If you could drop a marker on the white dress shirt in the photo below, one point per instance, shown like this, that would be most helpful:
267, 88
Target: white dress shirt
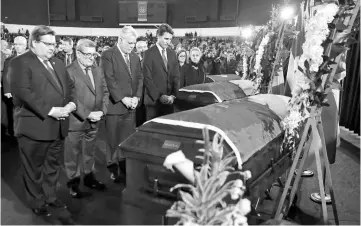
161, 51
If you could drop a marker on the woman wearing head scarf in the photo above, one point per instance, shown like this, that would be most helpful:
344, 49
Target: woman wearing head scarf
194, 72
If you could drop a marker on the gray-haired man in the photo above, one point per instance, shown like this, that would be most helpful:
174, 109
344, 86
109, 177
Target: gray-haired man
92, 96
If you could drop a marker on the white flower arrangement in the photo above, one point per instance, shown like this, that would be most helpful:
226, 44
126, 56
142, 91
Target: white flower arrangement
316, 32
245, 66
257, 66
260, 52
310, 91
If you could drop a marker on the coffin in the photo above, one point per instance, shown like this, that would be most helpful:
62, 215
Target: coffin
251, 130
200, 95
222, 78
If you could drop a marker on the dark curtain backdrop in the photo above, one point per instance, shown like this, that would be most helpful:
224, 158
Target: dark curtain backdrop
350, 96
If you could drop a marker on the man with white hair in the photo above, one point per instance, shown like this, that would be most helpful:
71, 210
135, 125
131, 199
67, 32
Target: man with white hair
20, 44
123, 74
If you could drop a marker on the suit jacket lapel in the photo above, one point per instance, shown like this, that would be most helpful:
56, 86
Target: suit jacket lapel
160, 57
168, 57
47, 73
133, 62
84, 76
121, 59
97, 80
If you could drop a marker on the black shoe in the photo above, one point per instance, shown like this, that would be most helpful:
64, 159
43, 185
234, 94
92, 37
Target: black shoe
41, 211
117, 178
57, 204
91, 182
76, 193
74, 190
114, 173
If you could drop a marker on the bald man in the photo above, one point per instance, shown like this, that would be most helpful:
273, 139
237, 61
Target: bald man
20, 44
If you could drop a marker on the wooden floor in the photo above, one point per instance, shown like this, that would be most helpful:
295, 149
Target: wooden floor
107, 207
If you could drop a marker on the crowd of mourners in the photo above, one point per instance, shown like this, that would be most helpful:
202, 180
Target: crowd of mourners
219, 55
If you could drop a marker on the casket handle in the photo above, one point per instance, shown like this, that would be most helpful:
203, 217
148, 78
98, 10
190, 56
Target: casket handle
155, 186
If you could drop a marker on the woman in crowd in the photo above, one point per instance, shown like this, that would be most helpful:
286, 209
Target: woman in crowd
194, 72
181, 56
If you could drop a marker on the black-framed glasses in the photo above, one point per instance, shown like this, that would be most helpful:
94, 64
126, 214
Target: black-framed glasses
88, 55
48, 44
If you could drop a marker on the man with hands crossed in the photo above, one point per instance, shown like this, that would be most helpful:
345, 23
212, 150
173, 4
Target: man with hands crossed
161, 75
123, 74
92, 96
43, 97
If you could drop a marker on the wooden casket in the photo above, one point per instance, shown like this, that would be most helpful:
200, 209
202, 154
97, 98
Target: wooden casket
251, 130
201, 95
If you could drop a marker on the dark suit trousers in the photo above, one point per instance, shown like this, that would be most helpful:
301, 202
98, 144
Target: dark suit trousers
41, 162
157, 110
119, 128
76, 157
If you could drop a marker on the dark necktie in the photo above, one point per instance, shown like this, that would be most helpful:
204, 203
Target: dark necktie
164, 59
127, 61
52, 72
89, 75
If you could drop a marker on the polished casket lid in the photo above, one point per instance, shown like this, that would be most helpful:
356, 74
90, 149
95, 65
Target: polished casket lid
220, 90
220, 78
246, 126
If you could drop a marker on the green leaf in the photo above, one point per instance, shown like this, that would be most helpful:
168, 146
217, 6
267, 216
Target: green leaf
351, 41
341, 36
331, 26
337, 50
336, 85
189, 200
340, 27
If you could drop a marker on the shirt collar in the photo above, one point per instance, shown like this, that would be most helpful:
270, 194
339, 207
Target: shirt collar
160, 48
82, 66
124, 55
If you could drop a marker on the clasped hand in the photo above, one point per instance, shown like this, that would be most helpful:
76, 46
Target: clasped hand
60, 113
165, 99
95, 116
130, 102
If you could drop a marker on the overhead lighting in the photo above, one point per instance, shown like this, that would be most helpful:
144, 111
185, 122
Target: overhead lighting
287, 13
246, 32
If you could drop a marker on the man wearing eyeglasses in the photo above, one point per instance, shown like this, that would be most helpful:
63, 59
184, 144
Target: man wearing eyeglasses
123, 74
92, 96
43, 97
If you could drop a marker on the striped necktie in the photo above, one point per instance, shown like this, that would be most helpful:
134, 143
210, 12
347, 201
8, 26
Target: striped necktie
164, 59
127, 61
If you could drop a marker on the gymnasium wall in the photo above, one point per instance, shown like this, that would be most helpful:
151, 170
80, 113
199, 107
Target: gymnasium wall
105, 13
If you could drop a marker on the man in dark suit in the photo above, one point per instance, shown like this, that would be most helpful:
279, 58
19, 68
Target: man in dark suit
161, 75
20, 48
43, 96
92, 96
67, 55
123, 74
